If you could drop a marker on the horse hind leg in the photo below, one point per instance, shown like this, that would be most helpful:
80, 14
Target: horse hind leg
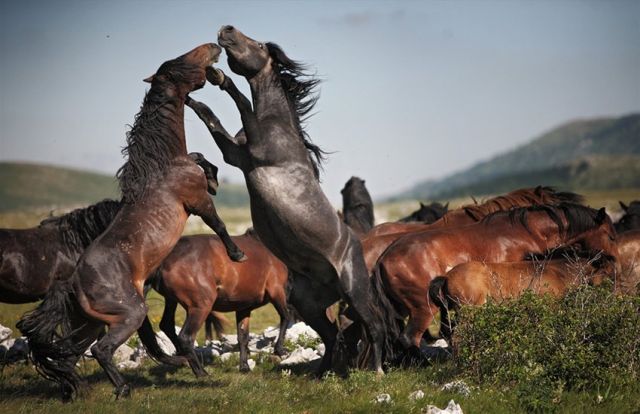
242, 324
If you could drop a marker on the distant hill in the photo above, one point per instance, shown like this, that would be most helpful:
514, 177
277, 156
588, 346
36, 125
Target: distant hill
590, 154
27, 186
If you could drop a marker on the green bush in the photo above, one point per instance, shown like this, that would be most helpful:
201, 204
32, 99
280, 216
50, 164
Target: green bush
542, 346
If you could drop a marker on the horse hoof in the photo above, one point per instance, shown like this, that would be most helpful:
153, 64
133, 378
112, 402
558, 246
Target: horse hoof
215, 76
238, 256
123, 392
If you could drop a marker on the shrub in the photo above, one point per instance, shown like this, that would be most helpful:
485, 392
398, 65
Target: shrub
587, 340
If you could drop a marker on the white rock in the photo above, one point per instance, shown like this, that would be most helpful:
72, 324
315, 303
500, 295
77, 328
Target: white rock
5, 333
320, 349
416, 395
383, 399
227, 355
131, 364
230, 339
458, 386
251, 363
14, 349
452, 408
123, 353
440, 343
271, 332
298, 329
300, 355
165, 343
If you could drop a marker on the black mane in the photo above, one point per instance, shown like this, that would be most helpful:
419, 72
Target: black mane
299, 87
150, 148
579, 218
82, 226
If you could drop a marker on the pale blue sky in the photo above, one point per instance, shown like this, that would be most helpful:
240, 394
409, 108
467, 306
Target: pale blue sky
411, 90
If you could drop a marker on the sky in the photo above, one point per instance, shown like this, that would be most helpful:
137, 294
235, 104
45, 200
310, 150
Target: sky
411, 90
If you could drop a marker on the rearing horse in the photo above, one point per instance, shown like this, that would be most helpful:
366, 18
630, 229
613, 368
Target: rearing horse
161, 185
290, 213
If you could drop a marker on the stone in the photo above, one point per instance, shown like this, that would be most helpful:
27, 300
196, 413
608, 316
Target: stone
251, 363
416, 395
452, 408
298, 329
131, 364
271, 333
165, 343
300, 355
14, 349
5, 333
457, 386
382, 399
123, 353
227, 355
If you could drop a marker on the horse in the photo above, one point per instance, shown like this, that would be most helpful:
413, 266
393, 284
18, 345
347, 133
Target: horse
473, 283
427, 214
357, 206
380, 237
160, 185
629, 256
32, 259
199, 276
473, 213
290, 212
631, 218
409, 265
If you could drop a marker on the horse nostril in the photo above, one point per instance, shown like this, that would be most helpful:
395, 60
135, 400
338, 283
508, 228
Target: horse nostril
228, 28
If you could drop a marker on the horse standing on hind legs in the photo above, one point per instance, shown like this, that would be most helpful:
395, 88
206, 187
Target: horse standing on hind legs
161, 185
290, 213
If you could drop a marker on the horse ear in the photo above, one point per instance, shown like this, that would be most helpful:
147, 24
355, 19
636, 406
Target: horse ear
601, 216
149, 79
446, 206
624, 206
422, 205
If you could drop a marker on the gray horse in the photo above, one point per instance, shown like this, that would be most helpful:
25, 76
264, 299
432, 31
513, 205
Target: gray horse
291, 214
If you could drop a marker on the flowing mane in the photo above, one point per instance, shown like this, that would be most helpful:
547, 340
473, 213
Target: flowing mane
521, 197
82, 226
150, 148
578, 218
299, 87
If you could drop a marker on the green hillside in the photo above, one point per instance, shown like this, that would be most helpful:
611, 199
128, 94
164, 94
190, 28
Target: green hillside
591, 154
29, 186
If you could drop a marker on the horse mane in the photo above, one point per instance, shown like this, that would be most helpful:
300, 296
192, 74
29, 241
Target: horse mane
521, 198
150, 148
579, 218
299, 87
82, 226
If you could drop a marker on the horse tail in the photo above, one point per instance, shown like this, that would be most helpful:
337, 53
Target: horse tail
150, 342
218, 322
439, 293
389, 316
48, 329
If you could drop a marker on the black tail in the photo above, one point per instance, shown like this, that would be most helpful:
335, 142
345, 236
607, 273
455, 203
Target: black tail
48, 329
150, 342
389, 316
218, 321
439, 294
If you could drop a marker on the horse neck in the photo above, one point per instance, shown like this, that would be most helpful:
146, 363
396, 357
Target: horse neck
545, 230
269, 98
172, 121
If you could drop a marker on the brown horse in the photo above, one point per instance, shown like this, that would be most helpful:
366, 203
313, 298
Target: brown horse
629, 257
199, 276
380, 237
473, 283
32, 259
161, 185
409, 264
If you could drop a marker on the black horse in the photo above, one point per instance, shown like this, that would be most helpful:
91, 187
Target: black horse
290, 213
32, 259
427, 214
161, 185
357, 206
631, 218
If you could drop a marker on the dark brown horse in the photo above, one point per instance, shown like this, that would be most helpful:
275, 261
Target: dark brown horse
32, 259
199, 276
427, 213
631, 218
473, 283
161, 185
409, 264
291, 214
357, 206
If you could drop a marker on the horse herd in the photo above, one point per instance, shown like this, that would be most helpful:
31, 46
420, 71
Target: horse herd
93, 266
